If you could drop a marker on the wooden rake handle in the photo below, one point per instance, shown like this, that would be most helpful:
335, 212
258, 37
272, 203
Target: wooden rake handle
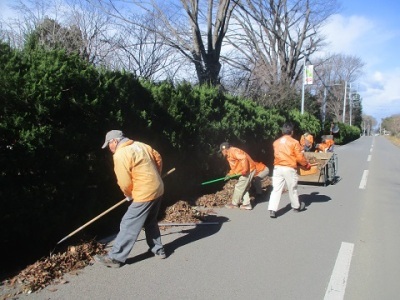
103, 213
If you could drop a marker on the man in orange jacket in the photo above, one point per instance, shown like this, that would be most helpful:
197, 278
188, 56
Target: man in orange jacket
287, 155
326, 145
137, 167
306, 142
240, 163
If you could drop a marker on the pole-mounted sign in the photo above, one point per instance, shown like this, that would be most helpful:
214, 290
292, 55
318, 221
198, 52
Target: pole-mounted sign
309, 74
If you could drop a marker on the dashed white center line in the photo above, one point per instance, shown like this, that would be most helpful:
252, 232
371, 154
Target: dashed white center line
369, 158
338, 282
363, 182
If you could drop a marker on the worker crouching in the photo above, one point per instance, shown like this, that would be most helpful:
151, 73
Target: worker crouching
326, 145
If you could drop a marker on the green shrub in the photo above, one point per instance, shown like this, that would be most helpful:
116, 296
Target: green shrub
346, 134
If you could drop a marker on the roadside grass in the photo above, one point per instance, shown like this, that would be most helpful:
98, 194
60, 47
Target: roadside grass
394, 140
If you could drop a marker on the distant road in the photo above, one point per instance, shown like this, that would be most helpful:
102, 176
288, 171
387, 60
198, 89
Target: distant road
346, 245
375, 268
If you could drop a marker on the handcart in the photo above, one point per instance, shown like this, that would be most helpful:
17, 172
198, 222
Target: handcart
324, 167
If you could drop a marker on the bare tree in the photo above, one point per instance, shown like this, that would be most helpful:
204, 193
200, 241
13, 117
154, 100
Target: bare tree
368, 124
196, 29
72, 24
271, 38
99, 37
119, 46
97, 31
335, 74
145, 53
29, 14
391, 124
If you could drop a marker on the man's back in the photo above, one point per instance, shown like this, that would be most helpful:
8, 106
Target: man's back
287, 152
137, 172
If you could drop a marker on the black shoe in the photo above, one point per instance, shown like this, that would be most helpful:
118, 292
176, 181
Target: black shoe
301, 208
272, 214
160, 253
107, 261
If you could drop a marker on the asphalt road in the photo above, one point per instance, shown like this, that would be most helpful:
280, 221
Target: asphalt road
345, 245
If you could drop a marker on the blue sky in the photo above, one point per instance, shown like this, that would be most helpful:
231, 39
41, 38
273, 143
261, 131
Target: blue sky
371, 30
368, 29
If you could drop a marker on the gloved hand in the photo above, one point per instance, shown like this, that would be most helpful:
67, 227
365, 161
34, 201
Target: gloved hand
308, 166
127, 198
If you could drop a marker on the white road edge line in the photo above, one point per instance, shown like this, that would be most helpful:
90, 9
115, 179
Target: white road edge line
337, 284
363, 182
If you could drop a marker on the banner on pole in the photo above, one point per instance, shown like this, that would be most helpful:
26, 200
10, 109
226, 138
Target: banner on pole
309, 74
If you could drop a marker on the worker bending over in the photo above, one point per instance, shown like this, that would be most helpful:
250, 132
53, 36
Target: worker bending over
326, 144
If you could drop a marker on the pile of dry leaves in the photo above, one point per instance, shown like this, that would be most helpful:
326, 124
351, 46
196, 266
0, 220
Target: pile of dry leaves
51, 269
197, 210
184, 212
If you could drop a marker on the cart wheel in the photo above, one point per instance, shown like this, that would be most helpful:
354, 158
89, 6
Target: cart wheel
331, 172
326, 175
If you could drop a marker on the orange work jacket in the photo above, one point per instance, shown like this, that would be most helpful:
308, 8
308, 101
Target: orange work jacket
287, 152
138, 168
239, 161
307, 141
259, 167
324, 146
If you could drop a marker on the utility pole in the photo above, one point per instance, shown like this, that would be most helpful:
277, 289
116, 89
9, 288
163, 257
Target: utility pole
350, 103
344, 101
303, 84
324, 108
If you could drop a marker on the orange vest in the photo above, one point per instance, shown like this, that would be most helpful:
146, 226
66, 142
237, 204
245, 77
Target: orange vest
239, 161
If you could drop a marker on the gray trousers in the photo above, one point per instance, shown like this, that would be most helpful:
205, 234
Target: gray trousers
139, 215
241, 193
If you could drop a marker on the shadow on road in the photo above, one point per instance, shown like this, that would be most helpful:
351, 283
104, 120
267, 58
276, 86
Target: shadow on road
192, 235
196, 233
313, 197
264, 197
137, 258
